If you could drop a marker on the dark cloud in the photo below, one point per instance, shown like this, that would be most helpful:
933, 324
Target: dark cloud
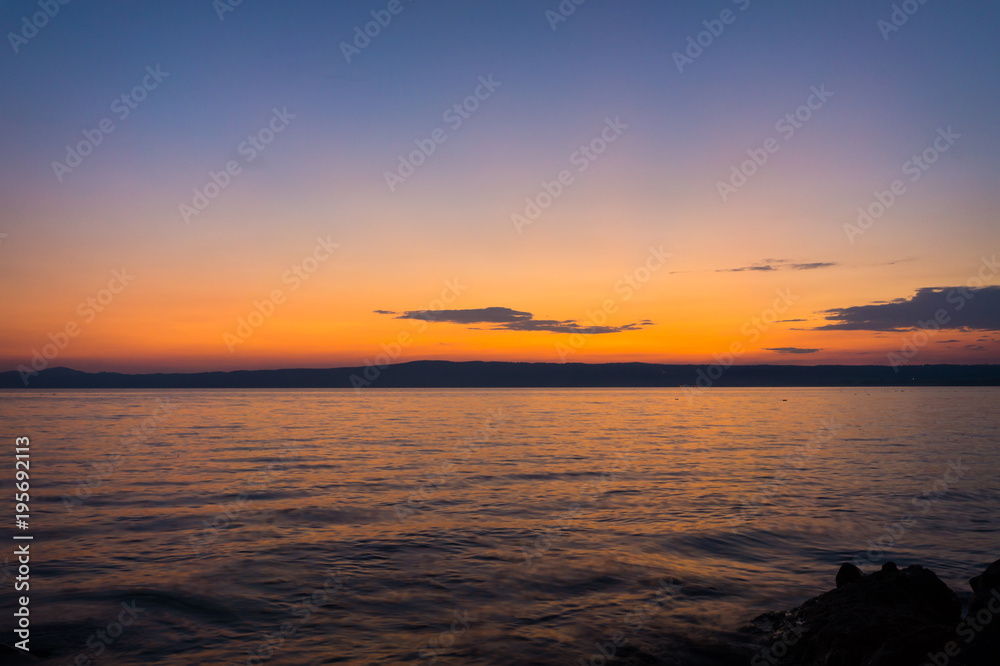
788, 321
965, 309
763, 267
777, 265
812, 266
514, 320
568, 326
474, 316
945, 342
792, 350
383, 312
975, 347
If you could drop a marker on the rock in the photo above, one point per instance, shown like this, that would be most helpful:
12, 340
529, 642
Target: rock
979, 634
984, 586
890, 617
848, 574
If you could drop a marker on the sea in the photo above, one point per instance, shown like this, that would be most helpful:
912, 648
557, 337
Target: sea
455, 526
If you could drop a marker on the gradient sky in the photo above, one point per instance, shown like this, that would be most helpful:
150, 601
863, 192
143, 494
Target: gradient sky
444, 239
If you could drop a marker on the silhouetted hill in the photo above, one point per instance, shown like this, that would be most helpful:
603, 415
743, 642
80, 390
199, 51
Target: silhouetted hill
443, 374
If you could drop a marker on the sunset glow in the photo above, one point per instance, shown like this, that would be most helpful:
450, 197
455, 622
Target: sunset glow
538, 179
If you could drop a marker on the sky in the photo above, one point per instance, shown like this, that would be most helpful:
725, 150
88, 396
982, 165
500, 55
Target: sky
205, 185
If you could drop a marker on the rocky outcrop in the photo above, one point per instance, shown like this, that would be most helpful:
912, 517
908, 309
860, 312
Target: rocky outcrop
978, 636
892, 617
848, 574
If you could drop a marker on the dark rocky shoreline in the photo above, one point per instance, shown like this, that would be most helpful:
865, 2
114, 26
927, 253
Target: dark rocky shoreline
891, 617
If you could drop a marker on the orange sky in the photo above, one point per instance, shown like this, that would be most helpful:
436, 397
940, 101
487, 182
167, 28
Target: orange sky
660, 143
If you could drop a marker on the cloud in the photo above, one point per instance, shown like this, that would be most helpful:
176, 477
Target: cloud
762, 267
788, 321
778, 265
792, 350
812, 266
568, 326
383, 312
963, 308
945, 342
513, 320
473, 316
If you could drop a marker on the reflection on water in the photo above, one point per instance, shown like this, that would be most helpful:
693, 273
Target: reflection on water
480, 526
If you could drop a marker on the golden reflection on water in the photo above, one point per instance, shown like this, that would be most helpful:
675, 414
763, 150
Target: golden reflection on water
550, 516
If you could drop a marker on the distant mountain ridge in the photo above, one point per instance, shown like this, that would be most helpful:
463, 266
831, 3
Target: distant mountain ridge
495, 374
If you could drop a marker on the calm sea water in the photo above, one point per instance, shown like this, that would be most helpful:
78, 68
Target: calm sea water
478, 526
